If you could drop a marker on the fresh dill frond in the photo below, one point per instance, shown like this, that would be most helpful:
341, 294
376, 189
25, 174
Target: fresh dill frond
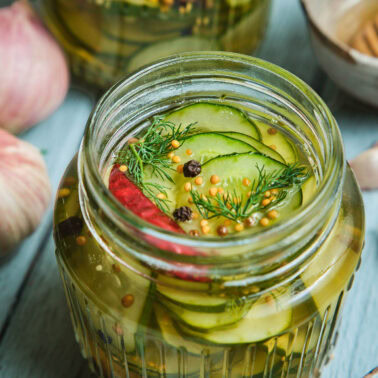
234, 207
151, 150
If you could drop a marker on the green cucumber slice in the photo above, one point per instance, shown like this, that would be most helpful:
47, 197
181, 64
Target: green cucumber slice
266, 318
214, 117
163, 49
172, 336
281, 142
260, 147
207, 320
308, 189
193, 300
205, 146
233, 168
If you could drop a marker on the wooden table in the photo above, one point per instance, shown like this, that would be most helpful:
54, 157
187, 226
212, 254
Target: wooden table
36, 337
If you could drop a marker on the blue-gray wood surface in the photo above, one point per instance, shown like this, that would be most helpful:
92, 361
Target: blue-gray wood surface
36, 338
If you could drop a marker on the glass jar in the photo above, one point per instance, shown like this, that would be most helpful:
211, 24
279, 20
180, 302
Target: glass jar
116, 267
105, 39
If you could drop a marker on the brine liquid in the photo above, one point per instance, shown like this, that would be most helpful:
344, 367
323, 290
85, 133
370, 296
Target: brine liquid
138, 335
107, 39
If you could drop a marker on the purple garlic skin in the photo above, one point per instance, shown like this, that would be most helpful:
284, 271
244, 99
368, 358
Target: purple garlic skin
25, 190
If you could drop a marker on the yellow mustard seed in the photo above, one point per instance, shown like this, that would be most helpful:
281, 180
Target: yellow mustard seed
220, 190
190, 199
246, 181
176, 159
272, 131
272, 214
189, 7
205, 229
133, 140
127, 300
213, 191
69, 181
116, 268
182, 10
171, 155
195, 215
227, 222
222, 230
123, 168
198, 180
204, 222
273, 146
267, 194
239, 227
161, 196
175, 143
214, 179
274, 191
265, 202
81, 240
64, 192
118, 329
180, 168
189, 151
194, 233
250, 222
264, 221
188, 187
206, 21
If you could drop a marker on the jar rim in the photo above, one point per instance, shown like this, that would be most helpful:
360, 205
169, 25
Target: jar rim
330, 185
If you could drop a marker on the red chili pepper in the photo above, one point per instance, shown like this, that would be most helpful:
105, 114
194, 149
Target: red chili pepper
132, 198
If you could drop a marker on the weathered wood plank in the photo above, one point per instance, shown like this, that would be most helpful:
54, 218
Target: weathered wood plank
39, 341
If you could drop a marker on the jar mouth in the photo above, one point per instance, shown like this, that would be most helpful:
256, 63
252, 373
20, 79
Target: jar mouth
331, 164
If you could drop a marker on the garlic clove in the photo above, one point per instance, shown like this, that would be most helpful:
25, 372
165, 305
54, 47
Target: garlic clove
34, 74
25, 190
365, 167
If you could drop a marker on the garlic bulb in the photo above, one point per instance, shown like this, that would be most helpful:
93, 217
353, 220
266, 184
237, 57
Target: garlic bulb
25, 190
34, 76
365, 167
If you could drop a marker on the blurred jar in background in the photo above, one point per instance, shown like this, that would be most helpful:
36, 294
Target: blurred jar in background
106, 39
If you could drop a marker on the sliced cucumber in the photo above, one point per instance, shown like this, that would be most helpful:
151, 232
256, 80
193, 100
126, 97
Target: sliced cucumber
278, 141
196, 301
173, 337
205, 146
233, 168
260, 147
267, 318
214, 117
207, 320
169, 47
308, 189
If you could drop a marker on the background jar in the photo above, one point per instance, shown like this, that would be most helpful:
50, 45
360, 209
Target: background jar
307, 261
107, 39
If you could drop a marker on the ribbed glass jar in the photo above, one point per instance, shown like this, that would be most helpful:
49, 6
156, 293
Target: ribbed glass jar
296, 272
107, 39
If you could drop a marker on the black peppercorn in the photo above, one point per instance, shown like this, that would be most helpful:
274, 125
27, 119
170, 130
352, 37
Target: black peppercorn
192, 168
72, 226
183, 214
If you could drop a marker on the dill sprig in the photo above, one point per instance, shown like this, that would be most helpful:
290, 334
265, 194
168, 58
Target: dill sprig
151, 150
234, 207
